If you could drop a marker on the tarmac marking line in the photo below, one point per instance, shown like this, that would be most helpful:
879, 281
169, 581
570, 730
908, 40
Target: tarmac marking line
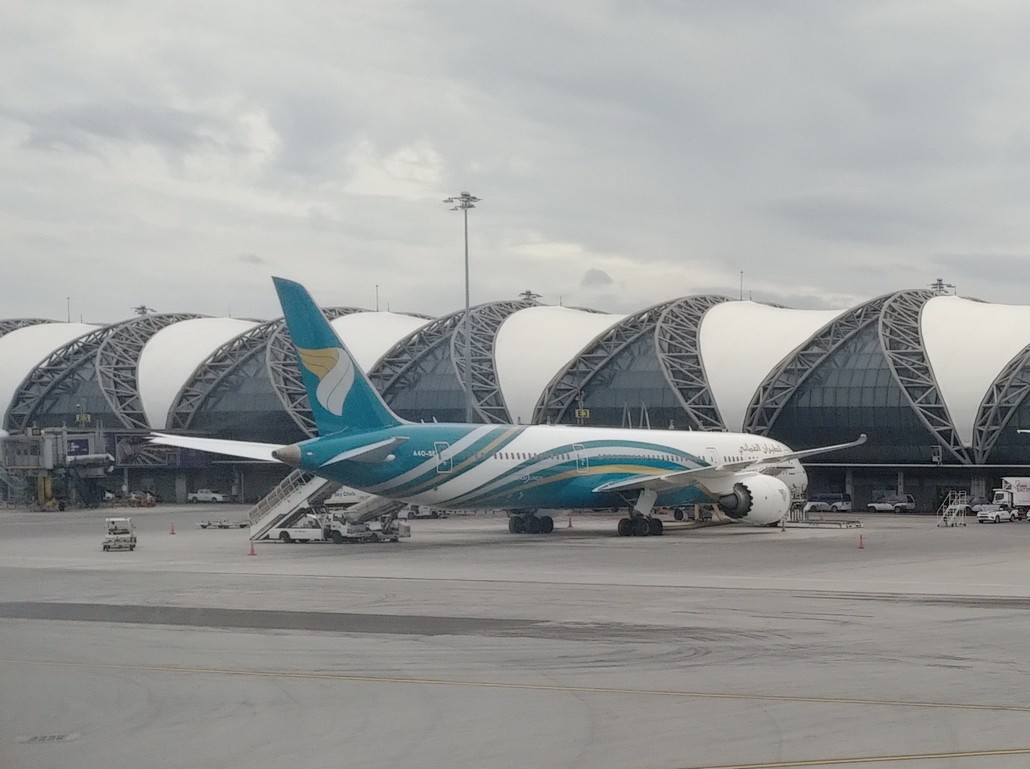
525, 687
857, 760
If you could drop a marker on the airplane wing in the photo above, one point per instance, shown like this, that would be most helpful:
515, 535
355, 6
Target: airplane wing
245, 449
699, 475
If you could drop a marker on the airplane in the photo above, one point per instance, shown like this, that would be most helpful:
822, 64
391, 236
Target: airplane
528, 470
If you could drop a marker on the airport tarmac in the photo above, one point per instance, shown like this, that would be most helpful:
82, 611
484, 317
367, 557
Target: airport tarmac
466, 646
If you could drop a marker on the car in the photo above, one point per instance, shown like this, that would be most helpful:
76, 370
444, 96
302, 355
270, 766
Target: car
829, 503
893, 503
996, 515
414, 511
206, 495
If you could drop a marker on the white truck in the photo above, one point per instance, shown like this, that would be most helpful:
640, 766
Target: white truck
121, 534
322, 527
1014, 496
206, 495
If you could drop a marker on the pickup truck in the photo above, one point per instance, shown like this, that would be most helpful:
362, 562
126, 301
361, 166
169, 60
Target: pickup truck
206, 495
896, 503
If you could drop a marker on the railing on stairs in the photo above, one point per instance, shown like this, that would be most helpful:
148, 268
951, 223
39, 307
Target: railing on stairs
952, 511
292, 493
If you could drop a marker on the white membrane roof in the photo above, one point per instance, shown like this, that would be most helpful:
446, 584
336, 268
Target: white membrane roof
534, 344
741, 342
170, 357
370, 335
23, 349
968, 344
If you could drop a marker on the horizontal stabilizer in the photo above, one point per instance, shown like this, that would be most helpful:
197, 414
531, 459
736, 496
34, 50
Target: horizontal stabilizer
245, 449
373, 452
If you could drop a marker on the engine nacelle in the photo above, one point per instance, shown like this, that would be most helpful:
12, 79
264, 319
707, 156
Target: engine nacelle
757, 499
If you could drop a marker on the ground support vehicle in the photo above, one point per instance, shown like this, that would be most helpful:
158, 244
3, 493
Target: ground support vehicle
206, 495
322, 527
829, 503
995, 515
121, 534
893, 503
1014, 496
225, 523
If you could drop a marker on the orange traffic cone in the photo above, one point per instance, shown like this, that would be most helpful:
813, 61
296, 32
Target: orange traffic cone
172, 530
861, 542
251, 548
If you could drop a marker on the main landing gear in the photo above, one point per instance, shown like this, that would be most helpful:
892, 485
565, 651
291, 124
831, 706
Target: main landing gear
530, 524
638, 525
640, 522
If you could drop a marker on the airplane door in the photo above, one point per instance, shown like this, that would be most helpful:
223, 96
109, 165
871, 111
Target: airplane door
443, 459
582, 460
712, 456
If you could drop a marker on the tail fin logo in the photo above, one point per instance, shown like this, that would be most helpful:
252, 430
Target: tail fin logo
335, 373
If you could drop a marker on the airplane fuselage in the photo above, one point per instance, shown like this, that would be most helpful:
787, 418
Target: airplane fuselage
460, 466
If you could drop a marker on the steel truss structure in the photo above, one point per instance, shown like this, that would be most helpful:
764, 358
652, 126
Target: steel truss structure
565, 390
240, 358
782, 382
677, 344
1008, 392
484, 321
117, 363
902, 341
62, 372
7, 326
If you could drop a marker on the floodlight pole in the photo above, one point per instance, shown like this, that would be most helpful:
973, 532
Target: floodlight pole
463, 203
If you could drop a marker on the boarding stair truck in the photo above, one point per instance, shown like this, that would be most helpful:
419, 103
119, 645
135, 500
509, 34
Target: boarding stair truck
121, 534
1014, 495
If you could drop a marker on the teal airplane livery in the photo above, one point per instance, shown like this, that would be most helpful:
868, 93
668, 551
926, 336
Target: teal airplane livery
527, 470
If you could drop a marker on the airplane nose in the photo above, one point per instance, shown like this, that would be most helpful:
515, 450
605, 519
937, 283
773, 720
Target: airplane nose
288, 455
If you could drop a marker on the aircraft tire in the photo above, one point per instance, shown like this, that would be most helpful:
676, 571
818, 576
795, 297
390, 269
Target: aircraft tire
513, 524
533, 525
657, 527
641, 527
546, 524
625, 527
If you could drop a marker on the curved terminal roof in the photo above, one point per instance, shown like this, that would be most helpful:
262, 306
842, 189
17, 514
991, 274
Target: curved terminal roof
968, 344
370, 335
25, 348
172, 355
741, 342
534, 344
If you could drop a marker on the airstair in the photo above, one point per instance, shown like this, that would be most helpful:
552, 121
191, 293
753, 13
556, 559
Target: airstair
952, 511
295, 496
300, 493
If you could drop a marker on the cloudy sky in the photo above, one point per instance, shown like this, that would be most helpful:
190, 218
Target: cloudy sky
178, 154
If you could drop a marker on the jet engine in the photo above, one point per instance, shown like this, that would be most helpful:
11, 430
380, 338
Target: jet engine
756, 499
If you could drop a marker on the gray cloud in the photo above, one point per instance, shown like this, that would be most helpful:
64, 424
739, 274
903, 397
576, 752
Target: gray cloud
831, 151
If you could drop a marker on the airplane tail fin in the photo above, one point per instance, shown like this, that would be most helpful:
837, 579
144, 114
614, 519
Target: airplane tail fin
340, 394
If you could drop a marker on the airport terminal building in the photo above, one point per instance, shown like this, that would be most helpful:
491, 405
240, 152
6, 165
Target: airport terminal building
938, 383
